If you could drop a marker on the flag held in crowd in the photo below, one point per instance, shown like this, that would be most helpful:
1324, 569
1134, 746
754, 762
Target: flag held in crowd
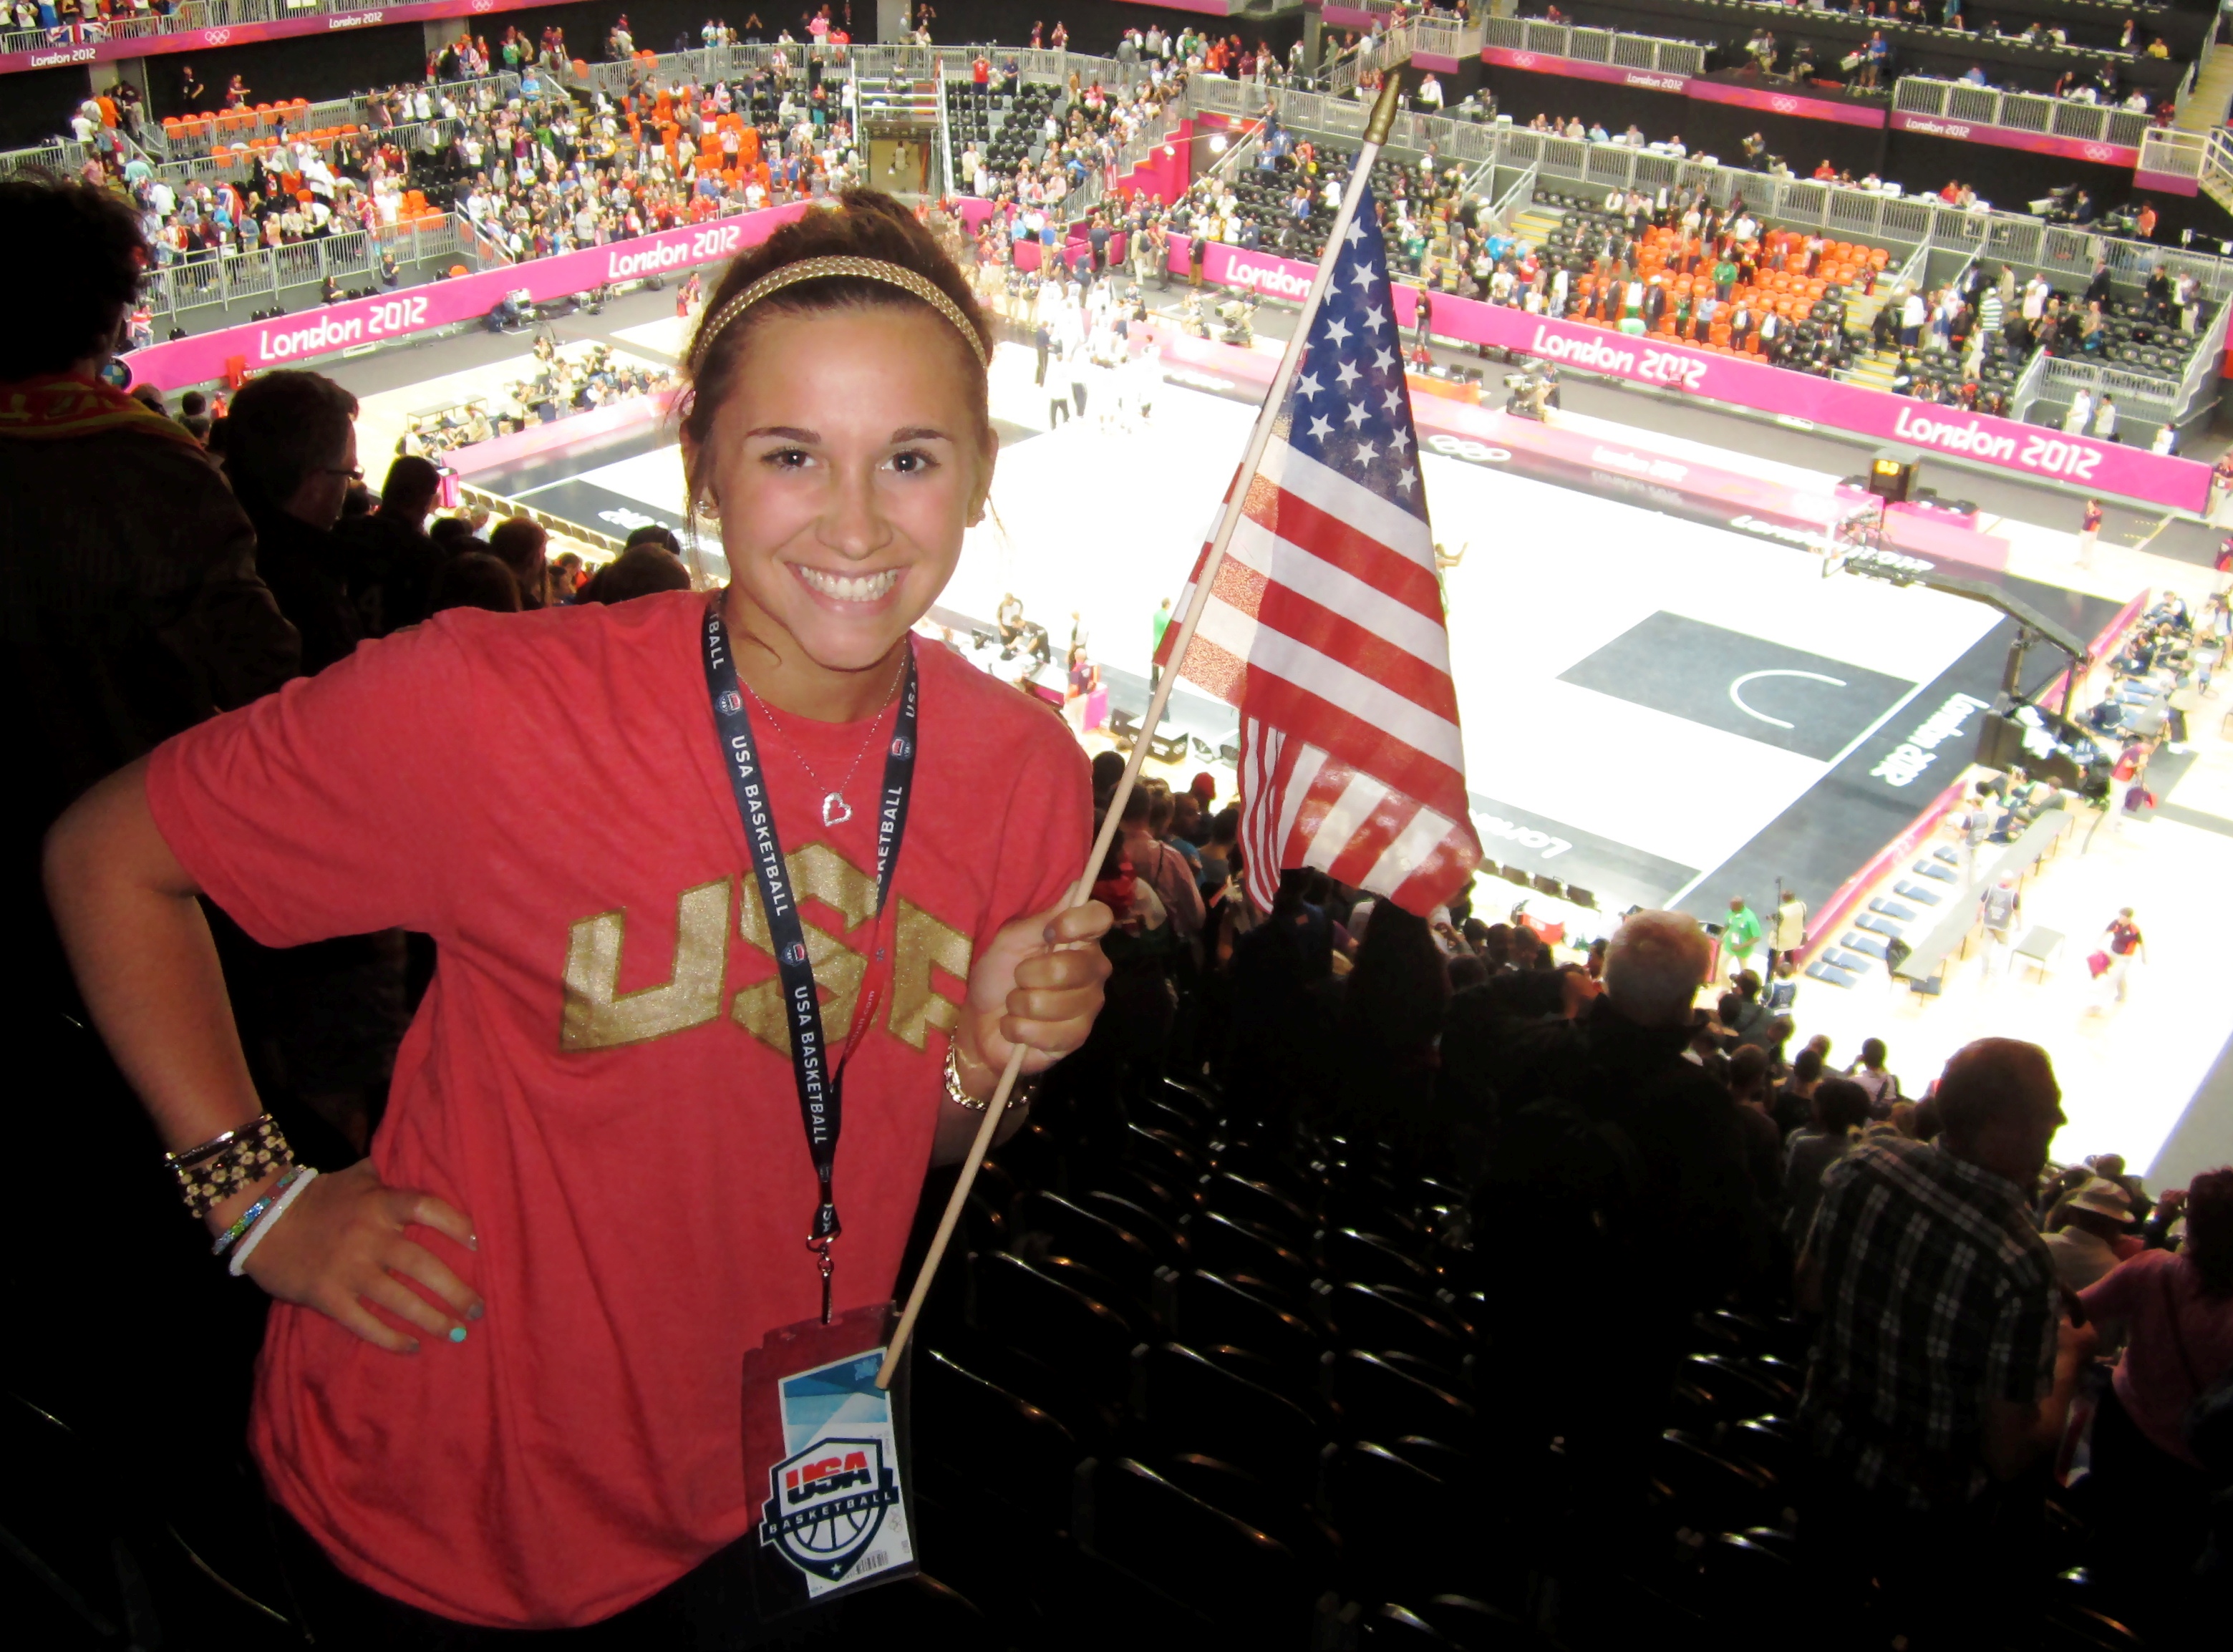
1324, 627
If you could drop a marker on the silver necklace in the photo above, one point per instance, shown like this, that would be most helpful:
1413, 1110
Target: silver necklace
836, 811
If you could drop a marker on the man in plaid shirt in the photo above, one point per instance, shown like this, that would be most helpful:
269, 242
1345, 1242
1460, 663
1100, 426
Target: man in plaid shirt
1942, 1368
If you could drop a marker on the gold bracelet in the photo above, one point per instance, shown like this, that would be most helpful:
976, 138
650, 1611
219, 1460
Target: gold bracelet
1019, 1097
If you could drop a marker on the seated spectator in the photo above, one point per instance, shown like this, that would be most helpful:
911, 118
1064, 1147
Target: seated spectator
1942, 1369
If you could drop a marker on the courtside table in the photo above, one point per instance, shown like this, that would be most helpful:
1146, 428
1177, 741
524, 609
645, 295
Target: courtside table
2039, 948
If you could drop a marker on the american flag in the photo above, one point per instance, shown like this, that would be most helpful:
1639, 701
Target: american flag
1324, 626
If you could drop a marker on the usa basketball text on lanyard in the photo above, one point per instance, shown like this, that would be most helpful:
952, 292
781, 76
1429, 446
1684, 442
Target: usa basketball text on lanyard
821, 1089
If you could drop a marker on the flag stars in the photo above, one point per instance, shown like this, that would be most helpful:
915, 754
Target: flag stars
1348, 374
1401, 440
1337, 332
1375, 319
1407, 477
1356, 414
1356, 232
1382, 359
1321, 427
1393, 401
1360, 274
1308, 384
1365, 454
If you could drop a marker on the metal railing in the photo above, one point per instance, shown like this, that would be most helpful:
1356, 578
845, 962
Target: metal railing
63, 157
2179, 155
187, 17
1912, 228
2029, 384
2207, 361
2029, 112
1892, 219
1443, 36
204, 279
1514, 201
1595, 45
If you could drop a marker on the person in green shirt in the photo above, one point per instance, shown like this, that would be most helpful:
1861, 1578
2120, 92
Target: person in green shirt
1740, 935
1725, 278
1163, 623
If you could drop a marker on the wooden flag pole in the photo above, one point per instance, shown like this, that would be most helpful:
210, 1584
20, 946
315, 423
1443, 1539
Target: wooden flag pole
1376, 134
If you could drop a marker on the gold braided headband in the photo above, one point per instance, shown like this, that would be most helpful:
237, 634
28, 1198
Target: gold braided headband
819, 269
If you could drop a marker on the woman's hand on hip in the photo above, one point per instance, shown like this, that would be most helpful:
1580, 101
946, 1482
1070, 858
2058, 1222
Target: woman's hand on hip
1038, 985
342, 1245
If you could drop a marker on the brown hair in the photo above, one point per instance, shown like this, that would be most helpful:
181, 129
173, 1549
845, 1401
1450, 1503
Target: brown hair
866, 224
2210, 1228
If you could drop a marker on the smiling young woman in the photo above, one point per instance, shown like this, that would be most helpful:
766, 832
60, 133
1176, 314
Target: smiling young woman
499, 1388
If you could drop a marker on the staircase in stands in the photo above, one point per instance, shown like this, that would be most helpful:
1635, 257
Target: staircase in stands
2204, 108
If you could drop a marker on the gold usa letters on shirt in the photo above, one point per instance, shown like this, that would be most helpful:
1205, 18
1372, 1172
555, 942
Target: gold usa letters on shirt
598, 1015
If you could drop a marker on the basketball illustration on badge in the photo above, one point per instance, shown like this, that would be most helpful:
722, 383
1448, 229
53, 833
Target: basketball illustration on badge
826, 1504
731, 702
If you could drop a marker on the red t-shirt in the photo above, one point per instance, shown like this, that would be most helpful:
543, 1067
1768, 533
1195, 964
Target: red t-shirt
600, 1075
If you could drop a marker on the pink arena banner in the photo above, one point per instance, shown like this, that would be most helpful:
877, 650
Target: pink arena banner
611, 419
241, 34
1763, 98
1579, 69
2166, 183
1355, 17
2029, 450
1768, 100
288, 341
2037, 143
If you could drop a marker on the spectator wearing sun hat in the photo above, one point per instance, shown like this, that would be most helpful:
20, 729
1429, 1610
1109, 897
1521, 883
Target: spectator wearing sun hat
2095, 1216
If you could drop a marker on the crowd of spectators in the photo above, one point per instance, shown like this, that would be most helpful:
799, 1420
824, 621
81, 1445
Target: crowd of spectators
568, 380
1664, 1158
1873, 64
538, 172
1079, 136
1645, 1158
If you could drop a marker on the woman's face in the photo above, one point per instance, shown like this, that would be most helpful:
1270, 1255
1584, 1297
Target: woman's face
845, 463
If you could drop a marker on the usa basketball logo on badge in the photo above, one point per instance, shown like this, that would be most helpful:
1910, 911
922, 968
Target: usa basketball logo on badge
731, 702
826, 1507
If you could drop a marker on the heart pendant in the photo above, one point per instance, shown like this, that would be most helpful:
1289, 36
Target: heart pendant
836, 811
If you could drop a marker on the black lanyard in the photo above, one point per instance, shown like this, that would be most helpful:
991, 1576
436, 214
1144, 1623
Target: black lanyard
821, 1090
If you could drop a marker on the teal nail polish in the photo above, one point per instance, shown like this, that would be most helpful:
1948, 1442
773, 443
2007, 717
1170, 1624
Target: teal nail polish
456, 1333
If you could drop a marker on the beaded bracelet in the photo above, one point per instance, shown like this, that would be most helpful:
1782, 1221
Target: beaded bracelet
247, 1218
212, 1173
247, 1246
1020, 1096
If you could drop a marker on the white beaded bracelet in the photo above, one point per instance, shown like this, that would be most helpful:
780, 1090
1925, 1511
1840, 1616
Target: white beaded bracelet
254, 1236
